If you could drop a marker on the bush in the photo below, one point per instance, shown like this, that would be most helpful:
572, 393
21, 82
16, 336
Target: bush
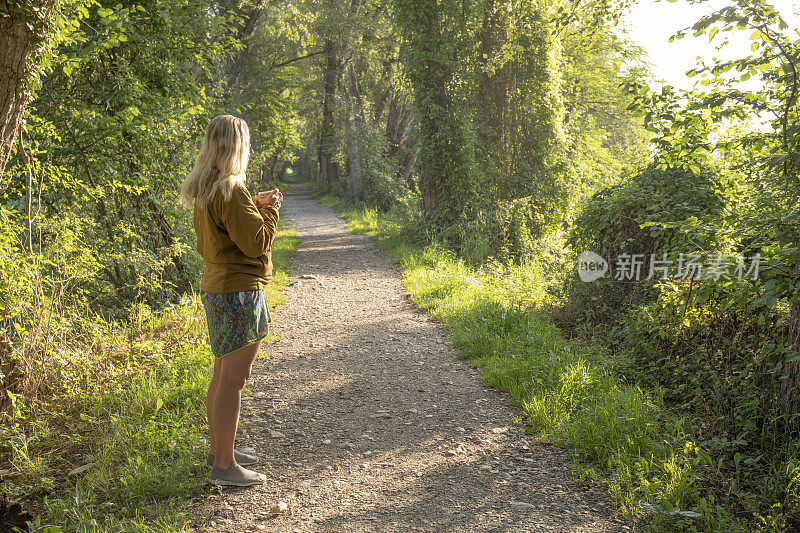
653, 212
644, 214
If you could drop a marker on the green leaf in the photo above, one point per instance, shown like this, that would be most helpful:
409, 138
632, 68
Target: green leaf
712, 32
159, 404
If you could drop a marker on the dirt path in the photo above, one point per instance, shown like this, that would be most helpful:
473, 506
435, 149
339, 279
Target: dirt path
368, 421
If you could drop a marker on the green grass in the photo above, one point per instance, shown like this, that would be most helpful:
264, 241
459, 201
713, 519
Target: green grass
131, 405
620, 436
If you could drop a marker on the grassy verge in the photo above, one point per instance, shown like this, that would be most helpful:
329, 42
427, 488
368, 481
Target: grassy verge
569, 392
128, 407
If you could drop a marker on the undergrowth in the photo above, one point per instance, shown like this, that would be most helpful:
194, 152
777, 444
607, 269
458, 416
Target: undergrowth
113, 439
570, 390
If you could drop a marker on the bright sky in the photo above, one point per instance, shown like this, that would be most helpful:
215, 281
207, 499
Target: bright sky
652, 22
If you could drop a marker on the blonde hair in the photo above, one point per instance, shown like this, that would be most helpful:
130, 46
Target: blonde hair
221, 162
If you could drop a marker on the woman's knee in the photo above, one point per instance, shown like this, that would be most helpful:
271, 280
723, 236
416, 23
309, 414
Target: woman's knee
233, 380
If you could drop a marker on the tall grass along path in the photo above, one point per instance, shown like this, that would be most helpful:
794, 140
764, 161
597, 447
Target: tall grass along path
369, 421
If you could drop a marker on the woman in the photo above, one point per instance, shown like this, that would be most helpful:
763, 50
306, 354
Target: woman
234, 237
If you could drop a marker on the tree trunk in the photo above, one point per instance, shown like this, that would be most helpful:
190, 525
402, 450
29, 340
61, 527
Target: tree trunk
388, 63
401, 141
249, 17
353, 161
327, 172
381, 103
493, 88
352, 130
394, 118
447, 154
22, 36
536, 116
429, 189
322, 174
408, 169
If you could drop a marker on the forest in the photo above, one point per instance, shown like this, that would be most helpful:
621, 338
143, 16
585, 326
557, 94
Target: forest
499, 150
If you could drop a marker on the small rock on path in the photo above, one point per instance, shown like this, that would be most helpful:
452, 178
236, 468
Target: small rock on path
368, 421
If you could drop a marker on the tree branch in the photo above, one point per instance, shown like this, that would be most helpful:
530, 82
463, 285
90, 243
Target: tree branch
311, 54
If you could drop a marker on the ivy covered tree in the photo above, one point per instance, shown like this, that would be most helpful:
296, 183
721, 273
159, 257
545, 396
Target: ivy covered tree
29, 31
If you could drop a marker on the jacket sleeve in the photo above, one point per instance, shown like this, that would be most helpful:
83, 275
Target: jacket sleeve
250, 228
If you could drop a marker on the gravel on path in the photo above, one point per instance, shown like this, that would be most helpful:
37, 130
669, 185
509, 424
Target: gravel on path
367, 420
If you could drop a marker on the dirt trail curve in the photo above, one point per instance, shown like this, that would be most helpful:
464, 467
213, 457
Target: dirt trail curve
368, 421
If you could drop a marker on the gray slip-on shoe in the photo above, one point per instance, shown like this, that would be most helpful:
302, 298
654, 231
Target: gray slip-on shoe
244, 459
236, 476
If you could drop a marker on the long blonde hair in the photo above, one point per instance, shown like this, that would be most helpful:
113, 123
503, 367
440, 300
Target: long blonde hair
221, 162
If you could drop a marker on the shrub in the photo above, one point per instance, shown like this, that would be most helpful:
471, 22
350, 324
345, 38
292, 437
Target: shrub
642, 214
653, 212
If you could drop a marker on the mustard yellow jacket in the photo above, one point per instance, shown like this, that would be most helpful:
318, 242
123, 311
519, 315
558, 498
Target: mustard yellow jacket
234, 238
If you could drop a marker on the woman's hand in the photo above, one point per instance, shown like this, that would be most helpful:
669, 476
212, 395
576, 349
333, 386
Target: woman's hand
273, 198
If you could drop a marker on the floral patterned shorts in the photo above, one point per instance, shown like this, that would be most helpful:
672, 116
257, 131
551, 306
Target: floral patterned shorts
235, 320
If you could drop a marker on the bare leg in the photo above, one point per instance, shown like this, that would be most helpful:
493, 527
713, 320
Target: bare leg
227, 401
212, 391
